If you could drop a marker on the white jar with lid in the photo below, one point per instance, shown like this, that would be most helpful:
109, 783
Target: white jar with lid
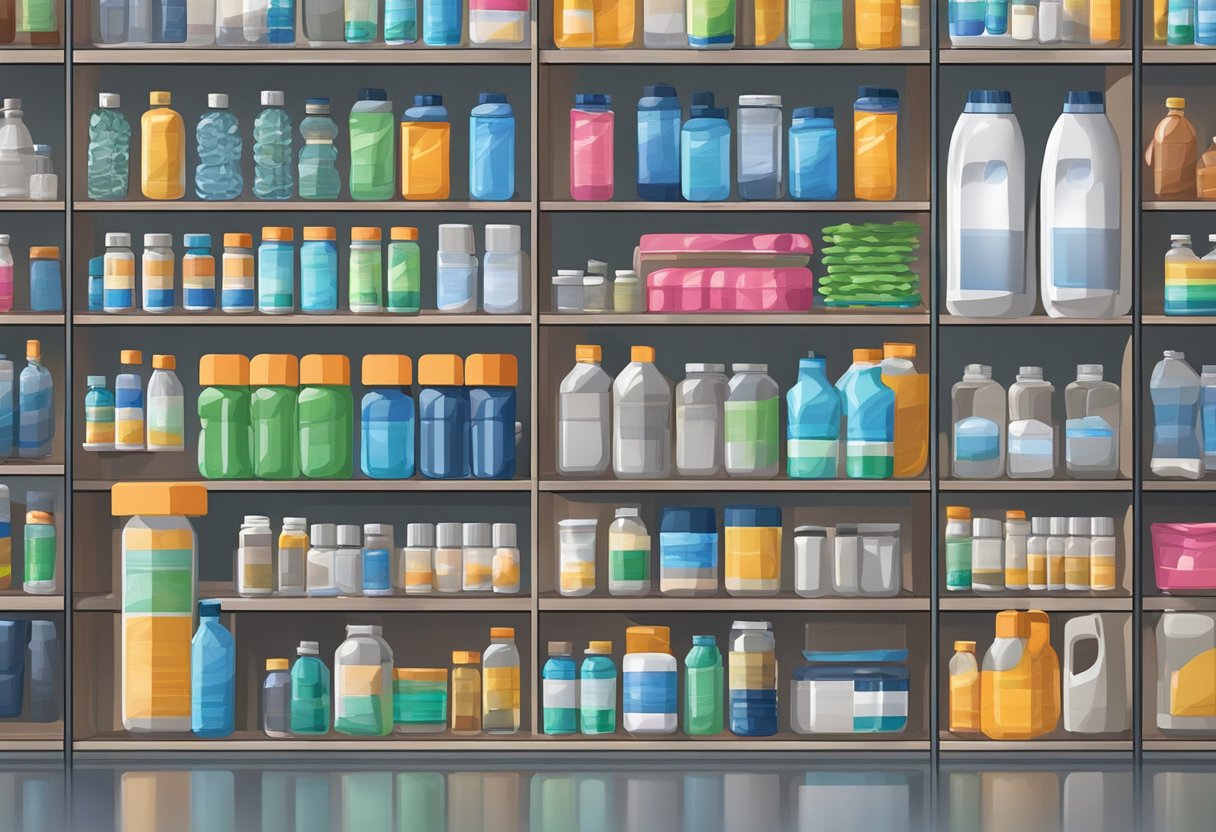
987, 555
627, 293
576, 556
255, 558
568, 291
812, 564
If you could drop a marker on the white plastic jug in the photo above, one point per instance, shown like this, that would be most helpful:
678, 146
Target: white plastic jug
986, 275
1032, 433
1186, 677
584, 415
1080, 244
1095, 699
641, 419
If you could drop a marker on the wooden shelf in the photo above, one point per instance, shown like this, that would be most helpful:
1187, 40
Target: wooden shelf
332, 485
31, 319
1084, 602
455, 602
1179, 55
428, 318
31, 204
16, 468
1035, 745
286, 205
1180, 485
718, 57
1208, 745
734, 485
728, 604
1180, 205
1031, 56
31, 603
841, 207
1178, 320
842, 317
947, 319
7, 744
1035, 485
23, 55
1200, 603
302, 54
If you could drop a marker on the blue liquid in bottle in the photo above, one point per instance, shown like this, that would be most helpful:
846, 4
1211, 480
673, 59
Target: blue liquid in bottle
492, 148
218, 175
813, 432
705, 152
812, 157
212, 675
272, 154
659, 114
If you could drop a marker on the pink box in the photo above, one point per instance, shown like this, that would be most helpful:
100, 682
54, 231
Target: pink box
1184, 555
727, 243
730, 289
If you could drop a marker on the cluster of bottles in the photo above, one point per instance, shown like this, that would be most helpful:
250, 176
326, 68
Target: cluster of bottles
1186, 685
425, 150
704, 24
864, 559
1046, 22
1080, 260
30, 652
38, 572
576, 290
119, 420
45, 278
1190, 280
711, 426
989, 440
36, 20
692, 160
253, 23
26, 169
329, 560
1042, 554
1184, 22
279, 418
1015, 694
265, 281
1179, 171
1184, 418
27, 419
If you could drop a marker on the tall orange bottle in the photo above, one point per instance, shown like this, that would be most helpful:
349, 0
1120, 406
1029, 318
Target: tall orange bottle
878, 24
426, 140
162, 149
1020, 678
615, 21
911, 408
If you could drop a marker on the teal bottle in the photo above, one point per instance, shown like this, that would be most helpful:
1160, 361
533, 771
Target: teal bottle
309, 692
813, 425
703, 688
558, 695
869, 407
597, 690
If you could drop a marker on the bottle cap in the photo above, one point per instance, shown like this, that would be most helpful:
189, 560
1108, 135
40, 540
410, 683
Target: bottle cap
492, 98
628, 511
597, 267
278, 234
867, 356
1178, 355
273, 370
1181, 237
320, 232
349, 536
448, 535
502, 238
1175, 103
325, 369
130, 357
1015, 514
216, 370
594, 99
217, 100
958, 513
1059, 526
156, 98
428, 100
704, 368
985, 527
209, 608
273, 98
238, 240
377, 530
316, 106
626, 276
308, 648
109, 100
96, 381
899, 351
276, 664
1040, 526
159, 499
44, 252
118, 239
502, 632
760, 101
196, 240
659, 91
403, 233
964, 646
751, 625
295, 523
164, 362
751, 517
387, 371
1030, 373
978, 370
599, 648
815, 112
1086, 101
42, 150
704, 641
491, 370
749, 368
641, 355
1089, 372
588, 353
456, 237
158, 241
476, 535
365, 234
97, 265
810, 531
466, 657
256, 520
323, 535
505, 536
1078, 526
655, 639
1012, 624
560, 648
1102, 526
688, 520
420, 535
440, 370
372, 94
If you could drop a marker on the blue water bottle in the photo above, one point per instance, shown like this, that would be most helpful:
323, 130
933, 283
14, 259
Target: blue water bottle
46, 279
705, 151
35, 406
966, 18
97, 283
491, 380
492, 148
319, 270
996, 16
443, 415
212, 675
813, 162
813, 431
387, 438
169, 21
442, 21
659, 115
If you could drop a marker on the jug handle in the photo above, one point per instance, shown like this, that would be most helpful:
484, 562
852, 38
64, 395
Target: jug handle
1070, 649
1148, 154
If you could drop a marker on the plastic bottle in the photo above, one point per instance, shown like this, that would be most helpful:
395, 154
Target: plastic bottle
1103, 552
6, 274
978, 419
291, 578
869, 407
456, 270
642, 424
366, 276
986, 223
363, 690
875, 143
1207, 397
36, 406
812, 149
1092, 432
705, 151
663, 24
198, 274
319, 270
277, 271
157, 615
492, 148
1172, 153
445, 440
1205, 173
44, 182
1020, 678
753, 679
212, 675
237, 294
597, 690
911, 408
362, 21
13, 638
1056, 544
96, 282
466, 693
477, 558
425, 150
503, 282
505, 564
376, 578
109, 152
218, 136
1080, 236
659, 113
574, 24
326, 417
1205, 25
157, 265
752, 423
703, 688
688, 552
491, 379
1076, 555
39, 544
404, 271
700, 421
958, 548
996, 17
321, 568
1178, 437
416, 564
46, 692
309, 708
373, 166
46, 279
987, 555
559, 696
400, 22
255, 558
272, 151
584, 416
1036, 554
760, 164
348, 560
1050, 20
449, 557
592, 124
276, 699
964, 686
166, 407
318, 172
442, 22
162, 149
119, 264
500, 691
813, 429
98, 416
225, 436
16, 153
1032, 432
628, 554
1017, 534
648, 681
1180, 23
387, 436
7, 408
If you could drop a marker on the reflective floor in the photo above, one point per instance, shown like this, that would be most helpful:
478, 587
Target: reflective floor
571, 793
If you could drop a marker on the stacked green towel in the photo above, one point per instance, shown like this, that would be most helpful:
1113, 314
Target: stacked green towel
870, 265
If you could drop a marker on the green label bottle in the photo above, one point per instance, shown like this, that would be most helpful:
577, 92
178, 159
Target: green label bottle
404, 271
703, 688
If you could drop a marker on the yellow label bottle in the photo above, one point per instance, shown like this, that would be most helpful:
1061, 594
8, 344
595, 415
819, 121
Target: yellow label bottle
614, 23
426, 138
574, 24
1104, 22
875, 143
162, 149
878, 24
769, 16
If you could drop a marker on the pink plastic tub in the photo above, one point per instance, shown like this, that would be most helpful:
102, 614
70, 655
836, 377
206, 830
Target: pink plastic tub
1184, 556
732, 289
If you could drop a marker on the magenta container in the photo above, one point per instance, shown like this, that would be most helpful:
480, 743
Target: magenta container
731, 289
1184, 556
591, 148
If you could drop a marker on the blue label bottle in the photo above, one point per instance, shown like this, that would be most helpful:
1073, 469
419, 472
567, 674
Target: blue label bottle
492, 148
387, 438
212, 675
813, 431
442, 21
281, 22
36, 406
870, 421
443, 414
659, 115
491, 380
812, 157
705, 152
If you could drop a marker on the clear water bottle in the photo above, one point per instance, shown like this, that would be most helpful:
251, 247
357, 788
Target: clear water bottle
272, 156
16, 152
218, 175
318, 157
1176, 391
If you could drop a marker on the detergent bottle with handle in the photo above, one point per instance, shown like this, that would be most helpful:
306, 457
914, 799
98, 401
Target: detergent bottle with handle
911, 407
1020, 678
1186, 678
1095, 699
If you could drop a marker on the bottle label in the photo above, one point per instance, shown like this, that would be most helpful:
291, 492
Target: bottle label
650, 692
39, 555
629, 564
158, 572
501, 689
118, 282
99, 425
166, 422
376, 569
597, 694
559, 693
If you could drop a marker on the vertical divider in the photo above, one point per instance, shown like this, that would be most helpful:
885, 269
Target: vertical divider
534, 368
935, 416
1136, 553
68, 386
